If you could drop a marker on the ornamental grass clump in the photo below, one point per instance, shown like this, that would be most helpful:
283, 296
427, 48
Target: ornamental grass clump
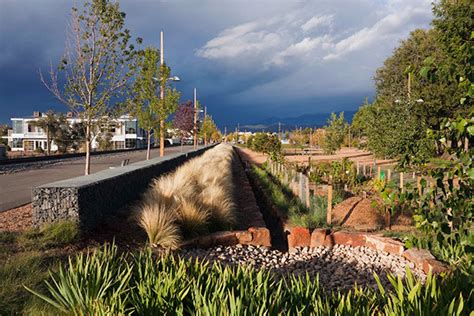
160, 225
197, 198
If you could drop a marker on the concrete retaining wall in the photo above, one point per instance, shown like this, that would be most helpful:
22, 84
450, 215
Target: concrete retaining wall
89, 199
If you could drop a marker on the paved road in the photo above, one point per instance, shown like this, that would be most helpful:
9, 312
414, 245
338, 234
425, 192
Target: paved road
15, 188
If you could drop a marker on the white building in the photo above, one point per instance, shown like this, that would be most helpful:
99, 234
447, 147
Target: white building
25, 136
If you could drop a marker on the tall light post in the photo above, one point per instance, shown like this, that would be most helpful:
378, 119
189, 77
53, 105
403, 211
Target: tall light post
162, 93
162, 96
195, 120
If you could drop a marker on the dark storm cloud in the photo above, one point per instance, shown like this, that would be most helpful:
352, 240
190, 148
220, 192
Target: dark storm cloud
248, 59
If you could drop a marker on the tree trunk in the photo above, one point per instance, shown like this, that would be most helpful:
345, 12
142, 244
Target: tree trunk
148, 145
48, 142
162, 138
88, 150
182, 138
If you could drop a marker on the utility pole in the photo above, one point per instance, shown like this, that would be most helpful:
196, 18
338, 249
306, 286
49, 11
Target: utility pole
279, 131
225, 134
238, 132
350, 144
162, 97
205, 132
195, 120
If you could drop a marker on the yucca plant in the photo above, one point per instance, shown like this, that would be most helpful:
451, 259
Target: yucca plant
93, 284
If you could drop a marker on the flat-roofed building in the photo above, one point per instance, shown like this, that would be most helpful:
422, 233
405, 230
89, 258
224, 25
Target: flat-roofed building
124, 131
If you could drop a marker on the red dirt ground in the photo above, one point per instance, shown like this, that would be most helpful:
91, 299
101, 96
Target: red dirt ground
17, 219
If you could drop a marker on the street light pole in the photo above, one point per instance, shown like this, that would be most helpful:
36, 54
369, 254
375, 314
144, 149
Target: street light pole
162, 97
195, 120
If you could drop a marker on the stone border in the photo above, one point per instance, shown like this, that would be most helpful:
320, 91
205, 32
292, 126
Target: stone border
299, 237
255, 236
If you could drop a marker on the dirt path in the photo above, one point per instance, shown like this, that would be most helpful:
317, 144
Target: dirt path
251, 156
353, 154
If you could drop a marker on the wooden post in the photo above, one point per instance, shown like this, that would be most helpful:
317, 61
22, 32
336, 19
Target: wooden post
308, 200
357, 166
432, 201
364, 170
418, 184
389, 175
388, 223
401, 182
378, 172
329, 211
301, 188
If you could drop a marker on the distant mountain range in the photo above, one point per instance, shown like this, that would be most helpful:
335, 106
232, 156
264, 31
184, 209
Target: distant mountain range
289, 123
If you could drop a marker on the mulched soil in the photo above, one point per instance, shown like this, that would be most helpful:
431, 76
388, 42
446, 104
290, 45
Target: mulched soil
366, 214
17, 219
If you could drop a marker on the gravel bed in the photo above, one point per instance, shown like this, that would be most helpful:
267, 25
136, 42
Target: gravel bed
338, 267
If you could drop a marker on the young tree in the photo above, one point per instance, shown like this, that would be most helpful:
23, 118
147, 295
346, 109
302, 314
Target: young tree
184, 120
69, 136
334, 133
50, 124
167, 104
145, 101
96, 65
208, 128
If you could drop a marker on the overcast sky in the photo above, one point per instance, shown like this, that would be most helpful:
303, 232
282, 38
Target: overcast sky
249, 59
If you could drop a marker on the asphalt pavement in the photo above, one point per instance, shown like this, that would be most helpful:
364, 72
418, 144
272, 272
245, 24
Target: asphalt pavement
15, 188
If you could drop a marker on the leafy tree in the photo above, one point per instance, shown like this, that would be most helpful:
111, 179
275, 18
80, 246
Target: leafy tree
440, 99
208, 129
300, 137
4, 132
454, 24
69, 136
335, 132
49, 123
268, 144
96, 65
184, 119
437, 67
105, 141
145, 100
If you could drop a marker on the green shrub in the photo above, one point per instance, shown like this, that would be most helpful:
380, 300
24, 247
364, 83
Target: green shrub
51, 235
106, 282
23, 269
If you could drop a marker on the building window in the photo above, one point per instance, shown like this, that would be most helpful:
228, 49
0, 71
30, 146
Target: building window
130, 127
119, 145
130, 143
17, 143
29, 145
17, 127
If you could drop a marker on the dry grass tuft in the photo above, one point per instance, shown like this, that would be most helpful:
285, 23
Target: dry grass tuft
192, 219
160, 225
